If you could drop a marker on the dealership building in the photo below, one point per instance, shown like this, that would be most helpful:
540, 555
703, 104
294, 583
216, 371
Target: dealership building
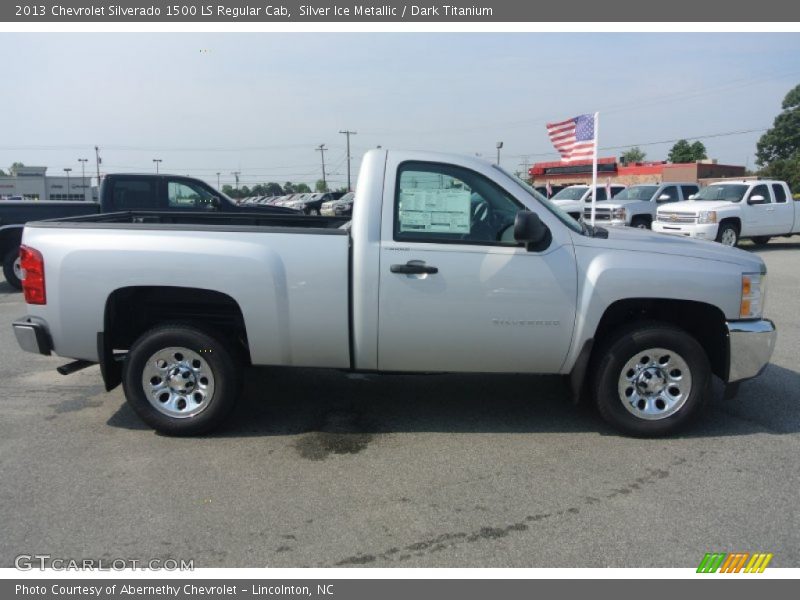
562, 173
33, 183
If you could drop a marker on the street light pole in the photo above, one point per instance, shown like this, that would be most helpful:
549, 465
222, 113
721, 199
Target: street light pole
348, 133
98, 161
236, 175
218, 183
321, 149
67, 171
157, 160
498, 146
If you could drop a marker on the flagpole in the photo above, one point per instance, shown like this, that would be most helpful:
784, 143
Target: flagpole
594, 165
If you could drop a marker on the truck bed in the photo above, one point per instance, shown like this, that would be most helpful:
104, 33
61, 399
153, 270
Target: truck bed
209, 221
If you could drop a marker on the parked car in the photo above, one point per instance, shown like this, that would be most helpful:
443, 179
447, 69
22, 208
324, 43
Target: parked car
730, 211
636, 205
118, 192
450, 264
311, 204
343, 207
574, 198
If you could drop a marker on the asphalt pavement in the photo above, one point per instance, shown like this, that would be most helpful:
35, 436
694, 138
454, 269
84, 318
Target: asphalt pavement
319, 468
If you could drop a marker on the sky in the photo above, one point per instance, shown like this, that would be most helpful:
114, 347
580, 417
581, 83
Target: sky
260, 103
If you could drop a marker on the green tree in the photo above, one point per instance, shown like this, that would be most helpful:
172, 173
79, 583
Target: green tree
778, 150
320, 186
15, 165
288, 188
2, 173
633, 155
684, 152
302, 188
273, 189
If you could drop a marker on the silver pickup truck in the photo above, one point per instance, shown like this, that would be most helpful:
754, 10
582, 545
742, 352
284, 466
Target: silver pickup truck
449, 264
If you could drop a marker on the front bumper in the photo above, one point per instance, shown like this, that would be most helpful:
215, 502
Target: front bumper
32, 336
702, 231
750, 346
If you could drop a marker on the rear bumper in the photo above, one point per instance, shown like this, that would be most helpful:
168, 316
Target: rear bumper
751, 344
32, 336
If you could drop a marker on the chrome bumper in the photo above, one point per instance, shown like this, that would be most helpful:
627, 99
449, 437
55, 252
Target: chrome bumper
32, 336
750, 346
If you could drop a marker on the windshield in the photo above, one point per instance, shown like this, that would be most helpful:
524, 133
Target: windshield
570, 193
560, 214
637, 192
723, 193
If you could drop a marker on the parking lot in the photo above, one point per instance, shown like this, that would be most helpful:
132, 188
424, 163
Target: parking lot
321, 468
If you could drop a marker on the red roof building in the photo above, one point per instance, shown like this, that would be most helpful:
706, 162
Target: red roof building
645, 172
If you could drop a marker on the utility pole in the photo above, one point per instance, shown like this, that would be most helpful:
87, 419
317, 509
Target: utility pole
348, 133
98, 161
218, 182
67, 171
157, 161
236, 175
83, 162
321, 149
525, 167
498, 146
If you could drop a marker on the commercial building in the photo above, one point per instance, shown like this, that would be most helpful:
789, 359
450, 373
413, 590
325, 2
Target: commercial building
561, 173
33, 183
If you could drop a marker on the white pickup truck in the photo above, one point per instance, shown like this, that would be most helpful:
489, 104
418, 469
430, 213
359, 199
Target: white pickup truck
450, 264
727, 212
636, 205
575, 198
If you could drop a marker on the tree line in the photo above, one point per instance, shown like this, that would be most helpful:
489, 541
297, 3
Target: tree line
276, 189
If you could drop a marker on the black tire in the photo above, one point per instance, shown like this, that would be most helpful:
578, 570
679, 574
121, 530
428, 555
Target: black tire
722, 233
8, 268
624, 347
761, 240
640, 222
221, 360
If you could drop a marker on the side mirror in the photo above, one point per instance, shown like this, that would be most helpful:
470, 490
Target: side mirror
757, 199
529, 229
664, 198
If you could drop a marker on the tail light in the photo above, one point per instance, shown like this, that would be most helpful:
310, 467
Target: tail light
32, 265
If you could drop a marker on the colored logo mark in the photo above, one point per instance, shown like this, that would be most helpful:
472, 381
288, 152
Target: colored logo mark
735, 562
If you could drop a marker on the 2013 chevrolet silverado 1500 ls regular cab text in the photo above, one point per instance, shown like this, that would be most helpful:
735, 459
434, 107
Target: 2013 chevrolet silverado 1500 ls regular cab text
449, 264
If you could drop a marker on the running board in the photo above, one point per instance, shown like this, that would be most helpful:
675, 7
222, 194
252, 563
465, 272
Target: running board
70, 368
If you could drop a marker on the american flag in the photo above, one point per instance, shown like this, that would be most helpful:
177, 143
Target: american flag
573, 138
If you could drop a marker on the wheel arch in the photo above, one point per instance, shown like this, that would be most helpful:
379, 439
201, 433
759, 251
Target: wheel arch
130, 311
705, 322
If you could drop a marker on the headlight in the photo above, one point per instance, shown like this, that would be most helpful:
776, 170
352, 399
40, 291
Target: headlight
753, 293
707, 216
618, 213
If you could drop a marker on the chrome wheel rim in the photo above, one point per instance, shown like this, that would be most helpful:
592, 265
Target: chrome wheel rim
655, 384
178, 382
729, 237
17, 267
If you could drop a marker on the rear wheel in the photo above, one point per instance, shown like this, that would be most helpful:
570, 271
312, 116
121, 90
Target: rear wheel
651, 380
181, 380
12, 270
728, 234
761, 240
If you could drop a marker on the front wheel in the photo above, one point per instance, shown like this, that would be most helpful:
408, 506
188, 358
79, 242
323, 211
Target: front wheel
180, 380
640, 223
12, 270
651, 380
728, 234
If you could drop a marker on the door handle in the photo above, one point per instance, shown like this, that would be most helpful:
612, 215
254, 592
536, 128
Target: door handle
414, 267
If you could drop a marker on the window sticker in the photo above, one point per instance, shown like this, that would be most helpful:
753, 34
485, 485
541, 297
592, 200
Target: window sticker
436, 211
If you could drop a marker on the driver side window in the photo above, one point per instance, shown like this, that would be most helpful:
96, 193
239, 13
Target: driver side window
443, 203
181, 194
